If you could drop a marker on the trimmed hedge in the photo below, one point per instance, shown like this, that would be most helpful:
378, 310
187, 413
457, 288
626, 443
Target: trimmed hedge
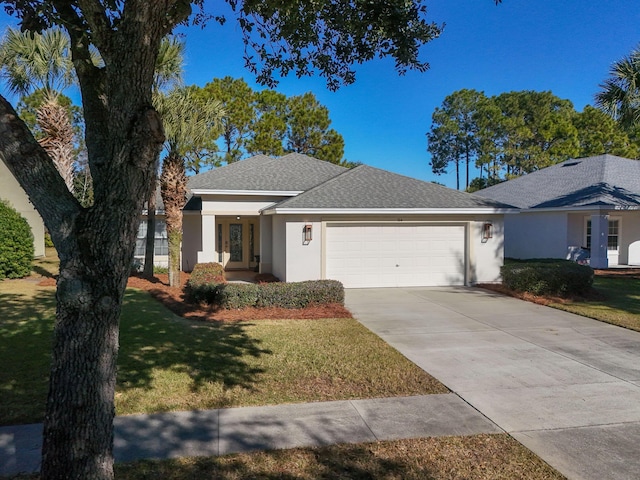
547, 277
300, 294
204, 282
207, 284
237, 295
16, 243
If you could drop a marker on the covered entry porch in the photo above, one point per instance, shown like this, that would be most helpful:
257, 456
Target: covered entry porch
231, 240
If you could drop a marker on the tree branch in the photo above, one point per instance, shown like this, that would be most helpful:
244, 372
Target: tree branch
36, 174
99, 24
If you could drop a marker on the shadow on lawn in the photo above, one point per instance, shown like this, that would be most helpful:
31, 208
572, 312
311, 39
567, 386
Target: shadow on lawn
356, 462
620, 292
26, 323
207, 352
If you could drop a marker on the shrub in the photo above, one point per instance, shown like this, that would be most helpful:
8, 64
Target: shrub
300, 294
237, 295
47, 240
16, 244
204, 282
547, 277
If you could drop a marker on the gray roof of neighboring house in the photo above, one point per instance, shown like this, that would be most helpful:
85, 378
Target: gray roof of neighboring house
367, 187
292, 172
599, 181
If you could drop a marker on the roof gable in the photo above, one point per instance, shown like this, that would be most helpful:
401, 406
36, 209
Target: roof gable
292, 172
365, 187
599, 180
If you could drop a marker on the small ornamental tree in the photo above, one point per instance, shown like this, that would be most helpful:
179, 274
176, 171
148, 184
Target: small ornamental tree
16, 243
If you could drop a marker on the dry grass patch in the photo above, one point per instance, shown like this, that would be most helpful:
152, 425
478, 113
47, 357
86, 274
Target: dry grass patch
479, 457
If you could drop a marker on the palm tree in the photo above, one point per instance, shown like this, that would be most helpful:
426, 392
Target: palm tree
190, 120
620, 93
168, 74
30, 62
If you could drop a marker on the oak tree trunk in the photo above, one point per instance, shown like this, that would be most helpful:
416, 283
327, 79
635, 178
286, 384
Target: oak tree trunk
95, 244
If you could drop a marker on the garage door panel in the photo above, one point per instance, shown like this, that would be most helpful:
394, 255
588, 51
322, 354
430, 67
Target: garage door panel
395, 255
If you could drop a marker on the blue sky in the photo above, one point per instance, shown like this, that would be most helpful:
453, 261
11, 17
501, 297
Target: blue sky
564, 46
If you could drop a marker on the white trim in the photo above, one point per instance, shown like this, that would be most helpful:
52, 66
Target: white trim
277, 193
581, 208
385, 211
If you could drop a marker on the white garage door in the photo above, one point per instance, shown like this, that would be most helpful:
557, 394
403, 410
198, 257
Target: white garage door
395, 255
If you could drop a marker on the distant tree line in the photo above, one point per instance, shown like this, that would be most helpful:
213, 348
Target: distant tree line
516, 133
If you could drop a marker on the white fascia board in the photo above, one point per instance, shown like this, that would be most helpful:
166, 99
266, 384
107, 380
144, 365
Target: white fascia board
582, 208
388, 211
276, 193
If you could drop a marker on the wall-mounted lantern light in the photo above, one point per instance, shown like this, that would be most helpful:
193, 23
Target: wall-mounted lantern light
307, 233
487, 231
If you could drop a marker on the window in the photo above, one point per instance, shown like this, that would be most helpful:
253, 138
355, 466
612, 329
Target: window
612, 239
251, 242
161, 243
612, 236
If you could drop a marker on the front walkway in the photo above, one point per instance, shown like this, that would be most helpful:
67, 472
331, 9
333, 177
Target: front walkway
218, 432
565, 386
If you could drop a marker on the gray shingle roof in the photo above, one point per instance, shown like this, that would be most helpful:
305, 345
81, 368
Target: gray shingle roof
368, 187
292, 172
599, 180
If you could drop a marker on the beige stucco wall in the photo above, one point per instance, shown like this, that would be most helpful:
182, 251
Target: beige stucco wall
11, 191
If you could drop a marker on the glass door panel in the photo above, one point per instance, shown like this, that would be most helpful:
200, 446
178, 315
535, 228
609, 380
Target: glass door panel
235, 242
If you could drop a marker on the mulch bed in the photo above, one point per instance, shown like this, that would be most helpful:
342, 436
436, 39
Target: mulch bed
175, 300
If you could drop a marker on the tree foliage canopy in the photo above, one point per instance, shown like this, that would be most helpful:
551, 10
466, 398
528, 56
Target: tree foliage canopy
270, 123
515, 133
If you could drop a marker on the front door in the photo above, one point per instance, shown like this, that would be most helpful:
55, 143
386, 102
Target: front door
232, 244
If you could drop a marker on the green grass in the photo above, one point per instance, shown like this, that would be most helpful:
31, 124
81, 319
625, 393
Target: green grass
620, 304
477, 457
46, 266
167, 363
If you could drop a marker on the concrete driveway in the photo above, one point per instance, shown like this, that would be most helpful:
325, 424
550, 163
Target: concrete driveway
566, 386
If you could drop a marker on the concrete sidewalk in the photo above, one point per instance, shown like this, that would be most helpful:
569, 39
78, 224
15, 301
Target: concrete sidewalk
566, 386
218, 432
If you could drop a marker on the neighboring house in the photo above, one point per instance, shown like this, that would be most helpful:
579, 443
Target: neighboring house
305, 219
161, 241
11, 191
589, 202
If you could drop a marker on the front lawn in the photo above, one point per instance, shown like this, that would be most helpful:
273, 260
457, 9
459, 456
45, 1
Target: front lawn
477, 457
619, 303
169, 363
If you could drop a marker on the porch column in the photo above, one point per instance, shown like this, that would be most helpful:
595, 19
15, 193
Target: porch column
599, 239
266, 243
208, 252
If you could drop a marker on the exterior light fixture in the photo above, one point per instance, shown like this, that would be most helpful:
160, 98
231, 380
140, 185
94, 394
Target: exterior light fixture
238, 218
307, 233
487, 231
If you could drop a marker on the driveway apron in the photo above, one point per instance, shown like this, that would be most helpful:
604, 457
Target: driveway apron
565, 386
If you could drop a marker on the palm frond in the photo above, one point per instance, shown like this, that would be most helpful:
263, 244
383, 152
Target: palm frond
30, 61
